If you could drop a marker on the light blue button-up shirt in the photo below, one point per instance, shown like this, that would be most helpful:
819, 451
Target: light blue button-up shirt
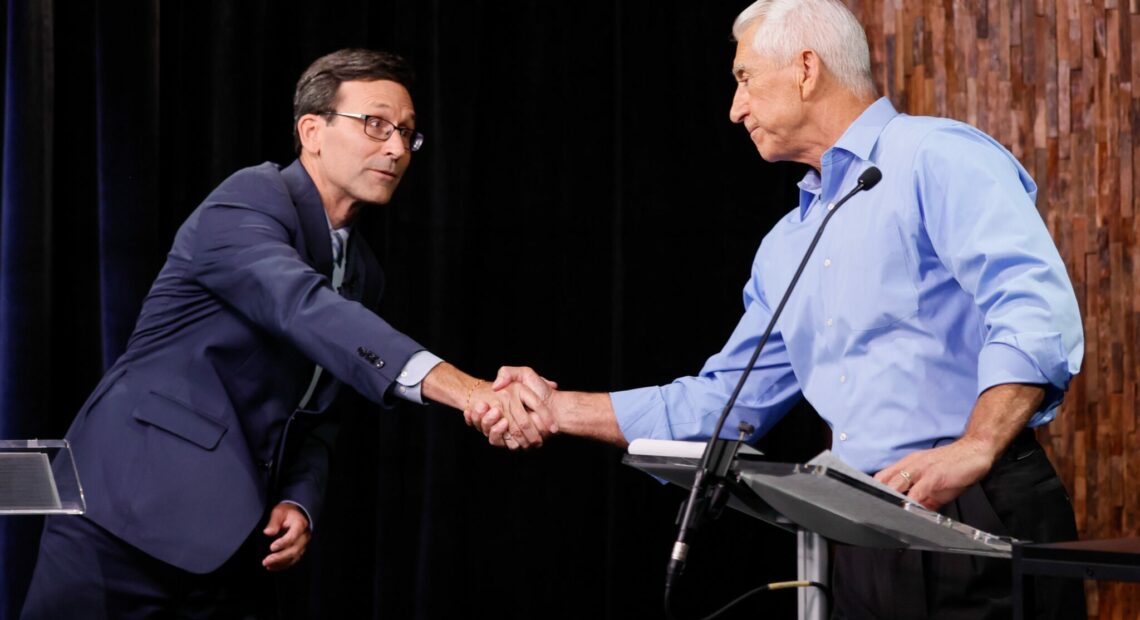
936, 284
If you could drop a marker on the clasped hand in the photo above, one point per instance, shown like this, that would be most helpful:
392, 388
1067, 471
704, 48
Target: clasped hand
514, 412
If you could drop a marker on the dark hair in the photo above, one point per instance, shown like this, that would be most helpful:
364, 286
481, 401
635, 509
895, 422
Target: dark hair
317, 89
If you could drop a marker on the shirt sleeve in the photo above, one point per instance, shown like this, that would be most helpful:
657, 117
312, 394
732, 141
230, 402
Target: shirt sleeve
409, 383
689, 407
977, 205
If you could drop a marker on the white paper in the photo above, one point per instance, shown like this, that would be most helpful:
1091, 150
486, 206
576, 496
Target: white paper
679, 449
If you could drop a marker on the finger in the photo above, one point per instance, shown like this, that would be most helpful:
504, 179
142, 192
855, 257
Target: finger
474, 414
899, 483
497, 436
511, 444
522, 430
282, 559
492, 420
276, 518
290, 533
551, 384
885, 474
505, 377
500, 428
542, 416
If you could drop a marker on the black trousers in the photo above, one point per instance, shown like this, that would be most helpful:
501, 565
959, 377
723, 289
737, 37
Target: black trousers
1021, 497
83, 571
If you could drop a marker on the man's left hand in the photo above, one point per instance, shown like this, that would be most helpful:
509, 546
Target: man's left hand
939, 475
289, 525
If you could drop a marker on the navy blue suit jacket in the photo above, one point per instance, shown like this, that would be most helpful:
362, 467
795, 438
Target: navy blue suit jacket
180, 448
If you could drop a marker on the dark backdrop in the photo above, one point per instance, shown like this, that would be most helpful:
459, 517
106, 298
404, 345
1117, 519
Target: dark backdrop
582, 205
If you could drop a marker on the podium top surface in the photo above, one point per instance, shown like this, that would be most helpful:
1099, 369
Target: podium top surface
38, 476
833, 500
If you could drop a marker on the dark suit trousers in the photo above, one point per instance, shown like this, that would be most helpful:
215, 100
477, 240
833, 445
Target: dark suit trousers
1021, 497
83, 571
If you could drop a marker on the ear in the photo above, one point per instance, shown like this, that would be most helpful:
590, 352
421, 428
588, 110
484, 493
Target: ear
310, 129
809, 73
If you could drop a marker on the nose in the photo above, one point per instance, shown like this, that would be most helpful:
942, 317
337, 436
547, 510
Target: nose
394, 146
739, 108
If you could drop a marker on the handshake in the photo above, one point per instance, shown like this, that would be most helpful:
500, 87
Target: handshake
516, 411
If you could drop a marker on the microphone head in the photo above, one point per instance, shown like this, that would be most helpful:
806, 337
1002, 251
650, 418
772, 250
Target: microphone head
870, 177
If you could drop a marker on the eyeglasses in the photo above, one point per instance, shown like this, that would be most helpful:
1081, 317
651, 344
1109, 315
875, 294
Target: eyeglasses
380, 129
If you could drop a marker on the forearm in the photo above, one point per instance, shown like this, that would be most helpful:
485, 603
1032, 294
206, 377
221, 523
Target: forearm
999, 415
589, 415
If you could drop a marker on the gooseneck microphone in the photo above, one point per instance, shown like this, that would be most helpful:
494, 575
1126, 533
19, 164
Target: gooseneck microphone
708, 472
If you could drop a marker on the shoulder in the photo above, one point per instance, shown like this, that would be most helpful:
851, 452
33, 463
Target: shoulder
258, 184
260, 188
944, 139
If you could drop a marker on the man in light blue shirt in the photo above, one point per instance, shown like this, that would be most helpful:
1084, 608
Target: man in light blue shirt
934, 324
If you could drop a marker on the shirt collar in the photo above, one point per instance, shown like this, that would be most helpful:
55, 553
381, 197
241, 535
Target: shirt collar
857, 142
861, 135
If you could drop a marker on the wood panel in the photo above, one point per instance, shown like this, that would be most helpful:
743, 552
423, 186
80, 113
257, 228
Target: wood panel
1056, 82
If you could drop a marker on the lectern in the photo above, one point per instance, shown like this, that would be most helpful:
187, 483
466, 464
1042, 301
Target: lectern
38, 477
821, 500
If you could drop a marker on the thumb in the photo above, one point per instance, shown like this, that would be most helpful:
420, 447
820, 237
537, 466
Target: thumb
505, 377
276, 518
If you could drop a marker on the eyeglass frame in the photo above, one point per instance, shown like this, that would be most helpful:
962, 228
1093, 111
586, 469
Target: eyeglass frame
412, 139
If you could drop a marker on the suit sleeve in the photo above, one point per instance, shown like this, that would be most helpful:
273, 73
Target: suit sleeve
244, 254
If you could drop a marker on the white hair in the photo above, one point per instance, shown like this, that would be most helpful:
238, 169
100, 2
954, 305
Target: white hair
825, 26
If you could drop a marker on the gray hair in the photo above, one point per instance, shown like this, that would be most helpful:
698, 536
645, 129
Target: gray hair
825, 26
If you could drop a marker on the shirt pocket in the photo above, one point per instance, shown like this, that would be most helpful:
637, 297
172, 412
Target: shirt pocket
872, 284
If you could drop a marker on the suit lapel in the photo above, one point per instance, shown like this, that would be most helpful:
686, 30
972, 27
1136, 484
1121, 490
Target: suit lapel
314, 234
364, 280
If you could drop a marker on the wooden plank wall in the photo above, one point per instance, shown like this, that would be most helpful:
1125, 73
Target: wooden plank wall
1053, 80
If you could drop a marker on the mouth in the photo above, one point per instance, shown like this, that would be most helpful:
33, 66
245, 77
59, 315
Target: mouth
385, 175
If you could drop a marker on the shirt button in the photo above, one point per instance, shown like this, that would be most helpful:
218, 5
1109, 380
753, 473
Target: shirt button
831, 206
403, 390
843, 378
827, 262
842, 436
829, 322
404, 374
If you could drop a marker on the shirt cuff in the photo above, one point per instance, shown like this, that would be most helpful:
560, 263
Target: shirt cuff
639, 413
999, 364
409, 383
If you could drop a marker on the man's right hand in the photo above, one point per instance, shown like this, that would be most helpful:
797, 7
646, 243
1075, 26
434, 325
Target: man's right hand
494, 421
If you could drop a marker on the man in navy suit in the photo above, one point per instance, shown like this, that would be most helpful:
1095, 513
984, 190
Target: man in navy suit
203, 451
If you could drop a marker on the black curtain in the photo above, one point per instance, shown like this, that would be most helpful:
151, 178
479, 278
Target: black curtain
582, 205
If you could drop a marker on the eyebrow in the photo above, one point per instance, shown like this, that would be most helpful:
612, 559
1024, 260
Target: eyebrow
389, 107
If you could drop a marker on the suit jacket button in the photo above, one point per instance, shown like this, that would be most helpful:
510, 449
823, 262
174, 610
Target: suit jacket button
362, 352
379, 363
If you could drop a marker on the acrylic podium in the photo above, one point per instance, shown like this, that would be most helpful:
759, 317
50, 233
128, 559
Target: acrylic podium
38, 477
821, 500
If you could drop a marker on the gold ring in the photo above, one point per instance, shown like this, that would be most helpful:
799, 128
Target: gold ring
906, 476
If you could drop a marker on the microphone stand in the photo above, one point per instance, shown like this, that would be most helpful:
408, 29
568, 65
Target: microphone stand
715, 462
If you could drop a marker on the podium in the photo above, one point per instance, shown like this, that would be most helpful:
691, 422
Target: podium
821, 500
38, 477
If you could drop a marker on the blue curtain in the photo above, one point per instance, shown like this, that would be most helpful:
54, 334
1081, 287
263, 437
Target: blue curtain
582, 148
25, 258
